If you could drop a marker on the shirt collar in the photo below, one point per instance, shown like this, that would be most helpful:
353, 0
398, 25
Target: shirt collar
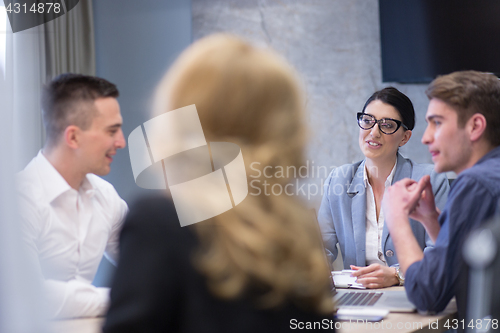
87, 187
491, 154
389, 179
53, 183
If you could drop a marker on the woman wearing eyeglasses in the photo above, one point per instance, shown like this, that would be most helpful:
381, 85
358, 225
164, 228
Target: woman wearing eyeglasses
350, 212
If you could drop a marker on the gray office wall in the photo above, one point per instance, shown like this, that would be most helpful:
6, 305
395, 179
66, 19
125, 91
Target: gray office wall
335, 47
136, 42
333, 44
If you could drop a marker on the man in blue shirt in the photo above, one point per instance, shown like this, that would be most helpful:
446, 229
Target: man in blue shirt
463, 135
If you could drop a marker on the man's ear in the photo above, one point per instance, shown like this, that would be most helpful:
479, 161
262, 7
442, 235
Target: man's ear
406, 138
72, 136
476, 126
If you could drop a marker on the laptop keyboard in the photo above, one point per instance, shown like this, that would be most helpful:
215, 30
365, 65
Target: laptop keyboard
359, 299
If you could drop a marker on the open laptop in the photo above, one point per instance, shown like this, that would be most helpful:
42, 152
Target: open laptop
392, 300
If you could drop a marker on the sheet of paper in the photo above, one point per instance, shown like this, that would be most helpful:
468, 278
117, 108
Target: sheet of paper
343, 279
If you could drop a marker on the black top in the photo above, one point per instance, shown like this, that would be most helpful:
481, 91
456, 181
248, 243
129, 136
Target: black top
157, 289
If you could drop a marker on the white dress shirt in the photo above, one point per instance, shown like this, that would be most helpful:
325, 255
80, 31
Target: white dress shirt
374, 227
67, 233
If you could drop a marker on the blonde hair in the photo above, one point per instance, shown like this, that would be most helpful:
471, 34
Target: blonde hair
269, 244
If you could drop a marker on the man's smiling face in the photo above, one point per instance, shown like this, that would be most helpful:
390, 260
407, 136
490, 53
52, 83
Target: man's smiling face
104, 137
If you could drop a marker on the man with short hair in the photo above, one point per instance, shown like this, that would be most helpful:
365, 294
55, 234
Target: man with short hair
70, 216
463, 135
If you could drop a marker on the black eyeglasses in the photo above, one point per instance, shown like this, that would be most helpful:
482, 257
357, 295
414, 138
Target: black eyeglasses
386, 125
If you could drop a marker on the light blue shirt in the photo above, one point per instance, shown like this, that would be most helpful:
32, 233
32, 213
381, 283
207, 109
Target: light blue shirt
342, 214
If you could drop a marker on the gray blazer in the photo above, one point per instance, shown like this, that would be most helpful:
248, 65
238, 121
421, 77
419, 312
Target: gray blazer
342, 215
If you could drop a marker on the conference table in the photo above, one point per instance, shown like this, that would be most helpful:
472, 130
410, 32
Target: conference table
394, 322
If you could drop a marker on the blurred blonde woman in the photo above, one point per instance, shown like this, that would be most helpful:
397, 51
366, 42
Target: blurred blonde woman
259, 267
